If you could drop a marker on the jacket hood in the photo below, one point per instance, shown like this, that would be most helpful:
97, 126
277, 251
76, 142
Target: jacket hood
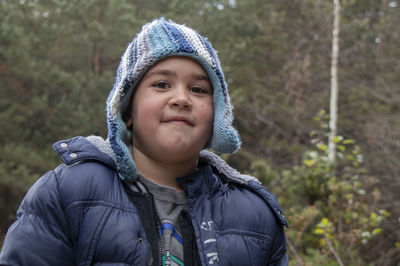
95, 148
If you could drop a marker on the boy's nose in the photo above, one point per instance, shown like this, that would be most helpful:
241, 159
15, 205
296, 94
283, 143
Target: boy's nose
180, 99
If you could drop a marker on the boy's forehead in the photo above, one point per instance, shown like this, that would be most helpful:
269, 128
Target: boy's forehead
165, 67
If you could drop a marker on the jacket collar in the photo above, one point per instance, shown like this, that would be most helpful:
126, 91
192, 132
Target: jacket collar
81, 149
97, 149
202, 181
206, 180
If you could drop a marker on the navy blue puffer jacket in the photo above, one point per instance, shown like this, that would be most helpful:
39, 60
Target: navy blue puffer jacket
80, 214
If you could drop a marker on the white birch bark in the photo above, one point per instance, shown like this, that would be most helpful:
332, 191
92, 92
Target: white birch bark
334, 82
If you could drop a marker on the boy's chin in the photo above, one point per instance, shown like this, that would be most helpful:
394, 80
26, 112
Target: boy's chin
173, 149
180, 152
181, 143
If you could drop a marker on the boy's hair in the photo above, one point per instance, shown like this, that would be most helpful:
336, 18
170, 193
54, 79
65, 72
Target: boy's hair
158, 40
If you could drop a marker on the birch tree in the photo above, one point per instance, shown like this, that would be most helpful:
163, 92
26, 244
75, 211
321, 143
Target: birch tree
334, 81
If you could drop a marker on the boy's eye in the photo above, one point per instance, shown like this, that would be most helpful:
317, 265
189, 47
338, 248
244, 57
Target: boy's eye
161, 85
199, 90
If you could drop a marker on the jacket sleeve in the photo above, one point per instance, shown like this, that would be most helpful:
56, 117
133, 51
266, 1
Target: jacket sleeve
38, 236
278, 251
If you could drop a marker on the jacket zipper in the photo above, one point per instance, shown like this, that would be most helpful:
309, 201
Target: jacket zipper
195, 251
143, 201
157, 225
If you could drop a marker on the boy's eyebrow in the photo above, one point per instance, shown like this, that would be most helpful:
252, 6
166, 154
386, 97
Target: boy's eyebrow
201, 77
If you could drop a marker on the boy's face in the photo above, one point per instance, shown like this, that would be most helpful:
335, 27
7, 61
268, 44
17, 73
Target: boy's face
172, 111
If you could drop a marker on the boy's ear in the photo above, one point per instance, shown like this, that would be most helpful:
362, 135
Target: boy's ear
128, 122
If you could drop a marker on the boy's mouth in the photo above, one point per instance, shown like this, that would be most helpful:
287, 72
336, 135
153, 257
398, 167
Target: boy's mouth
179, 120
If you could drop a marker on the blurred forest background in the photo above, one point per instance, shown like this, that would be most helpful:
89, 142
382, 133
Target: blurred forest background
58, 60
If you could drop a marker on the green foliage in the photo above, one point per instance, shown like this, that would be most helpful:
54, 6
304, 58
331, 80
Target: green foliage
345, 216
58, 61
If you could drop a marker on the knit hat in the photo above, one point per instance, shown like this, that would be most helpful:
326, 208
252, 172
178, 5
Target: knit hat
156, 41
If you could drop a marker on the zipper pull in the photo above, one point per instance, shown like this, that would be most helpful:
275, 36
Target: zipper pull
167, 259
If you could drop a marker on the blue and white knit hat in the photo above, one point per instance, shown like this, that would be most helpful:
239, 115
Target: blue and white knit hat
158, 40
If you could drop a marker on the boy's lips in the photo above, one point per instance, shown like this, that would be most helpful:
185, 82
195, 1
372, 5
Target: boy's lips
178, 119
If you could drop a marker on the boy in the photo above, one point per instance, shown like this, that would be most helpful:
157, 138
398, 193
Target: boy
150, 194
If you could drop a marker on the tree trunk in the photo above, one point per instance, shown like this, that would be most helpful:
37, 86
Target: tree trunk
334, 82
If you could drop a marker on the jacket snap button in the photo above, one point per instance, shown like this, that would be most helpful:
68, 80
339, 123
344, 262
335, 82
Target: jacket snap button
73, 155
140, 240
64, 145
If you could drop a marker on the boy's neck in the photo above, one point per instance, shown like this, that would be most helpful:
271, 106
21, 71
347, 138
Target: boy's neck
161, 172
